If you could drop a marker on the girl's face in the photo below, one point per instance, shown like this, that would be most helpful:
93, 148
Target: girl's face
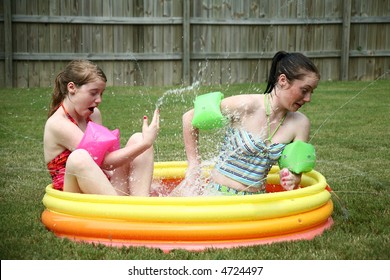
86, 97
298, 92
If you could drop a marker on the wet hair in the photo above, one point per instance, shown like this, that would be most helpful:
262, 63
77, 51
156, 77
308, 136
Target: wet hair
294, 65
80, 72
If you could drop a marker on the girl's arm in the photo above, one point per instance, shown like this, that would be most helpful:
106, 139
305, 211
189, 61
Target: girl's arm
130, 152
302, 127
237, 106
288, 179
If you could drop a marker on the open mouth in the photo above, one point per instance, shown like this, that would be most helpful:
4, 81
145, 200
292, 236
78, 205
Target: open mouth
91, 109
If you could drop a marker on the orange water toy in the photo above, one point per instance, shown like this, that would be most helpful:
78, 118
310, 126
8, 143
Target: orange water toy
192, 223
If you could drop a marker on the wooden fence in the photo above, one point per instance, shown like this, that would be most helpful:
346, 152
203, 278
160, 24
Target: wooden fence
174, 42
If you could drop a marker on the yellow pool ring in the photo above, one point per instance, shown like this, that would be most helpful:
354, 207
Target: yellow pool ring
204, 220
180, 212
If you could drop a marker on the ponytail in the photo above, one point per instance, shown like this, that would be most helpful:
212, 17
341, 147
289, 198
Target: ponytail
294, 65
272, 77
59, 93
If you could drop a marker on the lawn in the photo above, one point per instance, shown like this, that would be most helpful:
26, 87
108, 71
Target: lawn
350, 130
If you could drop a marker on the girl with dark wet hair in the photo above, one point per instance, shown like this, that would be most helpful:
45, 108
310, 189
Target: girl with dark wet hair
259, 127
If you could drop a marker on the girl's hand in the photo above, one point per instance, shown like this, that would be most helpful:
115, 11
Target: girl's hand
150, 132
289, 180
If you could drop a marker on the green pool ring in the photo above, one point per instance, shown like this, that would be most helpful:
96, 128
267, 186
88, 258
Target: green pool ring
207, 111
298, 157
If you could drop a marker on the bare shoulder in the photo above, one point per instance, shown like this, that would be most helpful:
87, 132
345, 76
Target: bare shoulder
61, 129
60, 133
53, 122
56, 126
301, 124
241, 102
300, 117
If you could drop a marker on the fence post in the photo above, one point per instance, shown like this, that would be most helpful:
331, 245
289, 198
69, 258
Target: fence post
7, 43
345, 39
186, 42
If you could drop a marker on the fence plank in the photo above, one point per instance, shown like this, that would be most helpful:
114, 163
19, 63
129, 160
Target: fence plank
8, 69
345, 39
148, 42
186, 42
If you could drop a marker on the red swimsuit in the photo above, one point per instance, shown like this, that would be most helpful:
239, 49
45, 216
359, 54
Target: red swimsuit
57, 165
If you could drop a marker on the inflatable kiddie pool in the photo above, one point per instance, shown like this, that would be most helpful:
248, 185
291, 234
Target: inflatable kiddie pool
192, 223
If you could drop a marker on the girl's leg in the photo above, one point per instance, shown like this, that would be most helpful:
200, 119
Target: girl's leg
138, 174
83, 175
120, 180
141, 173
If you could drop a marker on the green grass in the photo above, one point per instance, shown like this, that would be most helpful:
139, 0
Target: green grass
351, 133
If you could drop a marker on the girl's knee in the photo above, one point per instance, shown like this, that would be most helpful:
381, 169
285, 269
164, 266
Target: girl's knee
135, 138
79, 159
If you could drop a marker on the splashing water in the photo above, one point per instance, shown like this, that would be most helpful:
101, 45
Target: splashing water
198, 188
195, 86
192, 88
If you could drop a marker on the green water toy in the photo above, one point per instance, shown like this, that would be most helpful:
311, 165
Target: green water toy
207, 111
298, 157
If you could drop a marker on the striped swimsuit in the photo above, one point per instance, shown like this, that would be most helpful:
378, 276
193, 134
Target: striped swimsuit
246, 158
